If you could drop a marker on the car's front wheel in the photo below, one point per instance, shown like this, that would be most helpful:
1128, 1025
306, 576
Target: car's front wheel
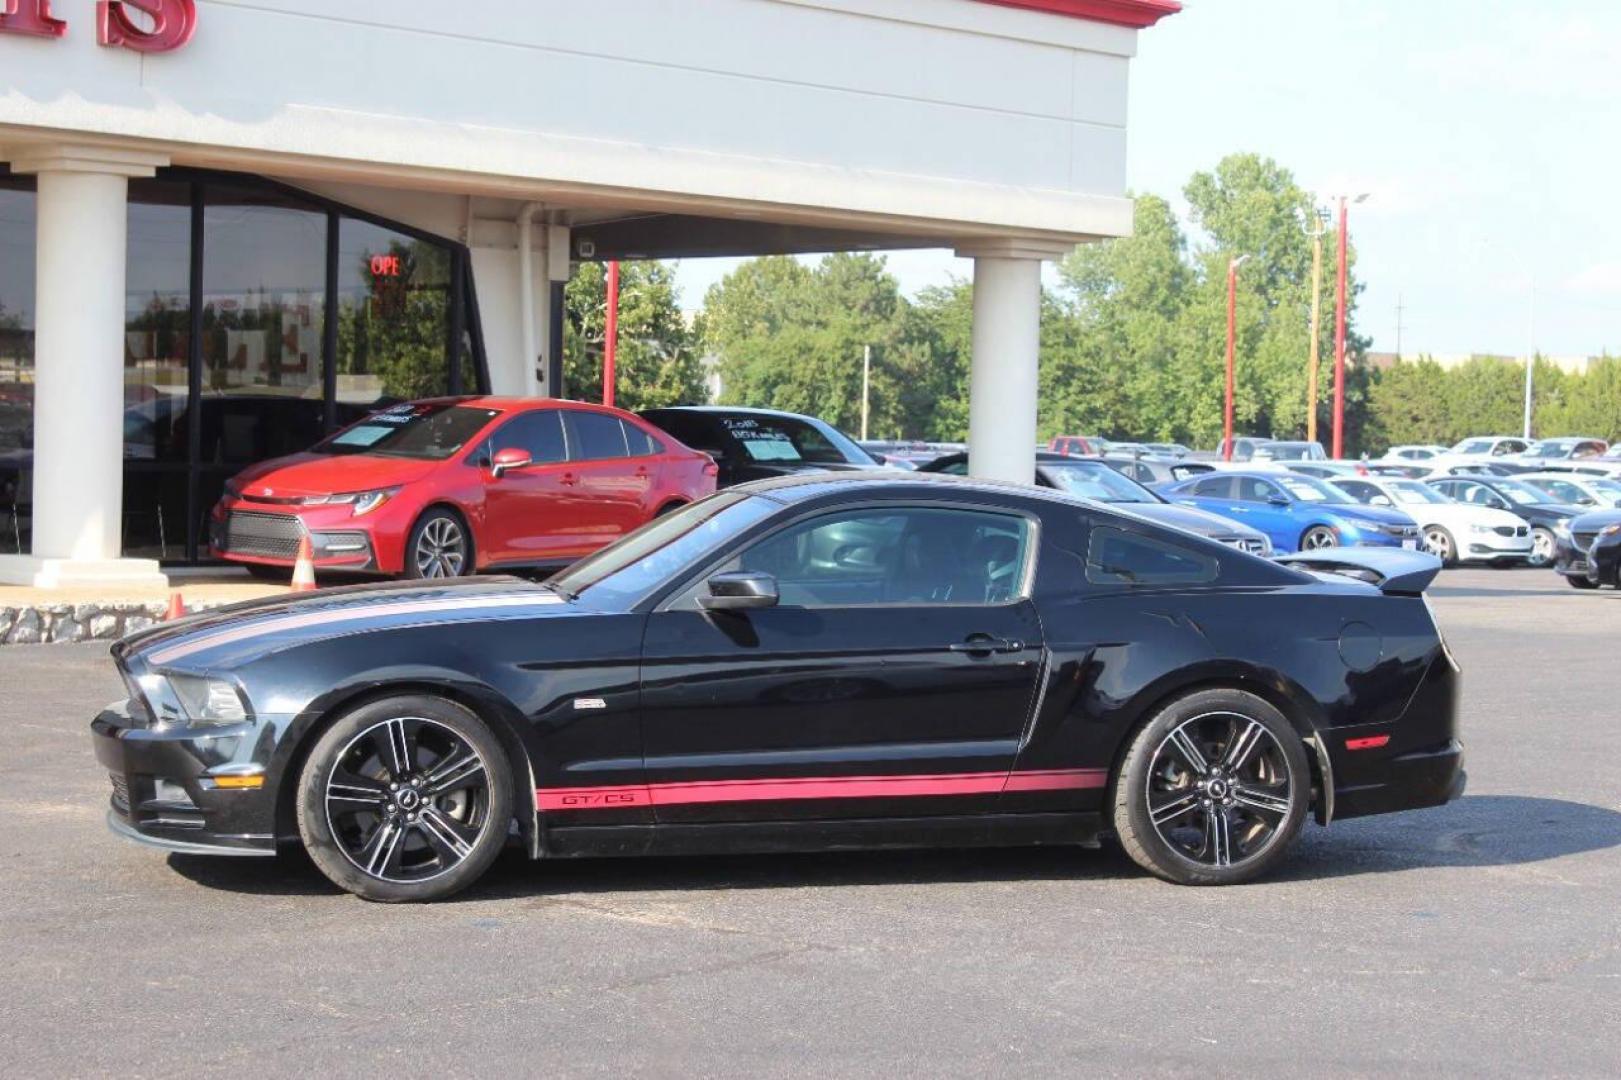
1542, 545
404, 799
1439, 542
439, 546
1212, 790
1318, 537
1581, 581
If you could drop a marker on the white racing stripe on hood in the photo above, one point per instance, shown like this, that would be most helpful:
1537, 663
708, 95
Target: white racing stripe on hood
457, 605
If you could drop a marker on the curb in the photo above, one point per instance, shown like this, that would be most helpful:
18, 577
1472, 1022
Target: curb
64, 623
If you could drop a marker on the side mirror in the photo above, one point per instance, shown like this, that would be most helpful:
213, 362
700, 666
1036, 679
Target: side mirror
879, 458
1277, 500
739, 590
511, 458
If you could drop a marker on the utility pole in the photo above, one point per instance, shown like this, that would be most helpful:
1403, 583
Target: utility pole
1530, 359
866, 388
1399, 309
610, 345
1232, 351
1339, 330
1319, 225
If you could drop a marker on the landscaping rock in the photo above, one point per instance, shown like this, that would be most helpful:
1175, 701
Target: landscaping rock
25, 629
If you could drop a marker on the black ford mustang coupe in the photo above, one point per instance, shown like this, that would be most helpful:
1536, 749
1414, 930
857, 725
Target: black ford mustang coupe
839, 660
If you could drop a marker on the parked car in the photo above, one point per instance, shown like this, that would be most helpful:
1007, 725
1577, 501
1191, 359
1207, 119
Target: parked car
1545, 515
1076, 445
1489, 446
1290, 450
1169, 449
1418, 452
1576, 489
1092, 478
1156, 470
1298, 513
756, 444
1587, 553
1244, 447
447, 486
1328, 470
1474, 468
815, 662
1564, 449
1454, 532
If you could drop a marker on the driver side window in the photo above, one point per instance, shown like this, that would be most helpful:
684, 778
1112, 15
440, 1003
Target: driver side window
894, 557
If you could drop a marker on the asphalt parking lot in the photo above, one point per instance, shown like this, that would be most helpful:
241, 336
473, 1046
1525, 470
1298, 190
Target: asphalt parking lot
1480, 939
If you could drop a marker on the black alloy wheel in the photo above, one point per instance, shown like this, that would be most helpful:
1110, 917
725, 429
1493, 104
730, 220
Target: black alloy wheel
1439, 542
1581, 581
439, 547
1213, 790
1318, 537
1542, 547
407, 798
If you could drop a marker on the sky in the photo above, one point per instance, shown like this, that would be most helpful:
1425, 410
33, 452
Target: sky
1485, 133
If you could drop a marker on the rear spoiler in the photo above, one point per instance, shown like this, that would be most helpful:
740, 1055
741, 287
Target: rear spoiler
1395, 571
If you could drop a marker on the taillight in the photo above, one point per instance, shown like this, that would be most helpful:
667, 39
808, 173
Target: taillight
711, 469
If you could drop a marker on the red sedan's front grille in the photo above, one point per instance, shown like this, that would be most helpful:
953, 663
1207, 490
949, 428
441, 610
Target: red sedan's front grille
274, 536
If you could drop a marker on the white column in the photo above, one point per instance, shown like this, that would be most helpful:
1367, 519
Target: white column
1007, 347
79, 301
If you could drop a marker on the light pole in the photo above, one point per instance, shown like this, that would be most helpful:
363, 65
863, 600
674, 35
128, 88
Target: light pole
1339, 330
1530, 359
1318, 225
866, 388
610, 345
1232, 350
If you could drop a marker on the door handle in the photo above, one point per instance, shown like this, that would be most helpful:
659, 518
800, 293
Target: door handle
568, 479
641, 470
982, 644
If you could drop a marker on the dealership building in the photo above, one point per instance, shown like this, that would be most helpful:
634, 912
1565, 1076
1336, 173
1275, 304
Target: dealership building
227, 228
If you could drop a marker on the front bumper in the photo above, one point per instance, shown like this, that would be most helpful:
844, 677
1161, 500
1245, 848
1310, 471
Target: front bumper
1491, 547
165, 791
1601, 564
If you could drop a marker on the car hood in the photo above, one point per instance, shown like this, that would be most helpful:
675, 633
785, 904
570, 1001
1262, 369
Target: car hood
1377, 515
743, 471
1191, 520
1594, 520
225, 637
1467, 514
329, 474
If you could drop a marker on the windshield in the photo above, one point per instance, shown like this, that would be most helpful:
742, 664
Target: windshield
1308, 490
786, 438
1473, 446
431, 431
1521, 492
626, 571
1300, 451
1550, 448
1098, 482
1562, 491
1412, 494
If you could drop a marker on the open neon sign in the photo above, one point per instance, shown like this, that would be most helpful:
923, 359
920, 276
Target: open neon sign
172, 22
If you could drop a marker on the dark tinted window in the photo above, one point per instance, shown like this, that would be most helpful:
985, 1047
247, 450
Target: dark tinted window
1120, 558
540, 432
1254, 489
640, 442
1360, 490
593, 436
1213, 487
694, 429
912, 556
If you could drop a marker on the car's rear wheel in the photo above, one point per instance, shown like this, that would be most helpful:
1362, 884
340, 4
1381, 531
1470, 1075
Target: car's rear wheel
439, 546
1212, 790
1439, 542
1581, 581
1318, 537
1542, 546
405, 799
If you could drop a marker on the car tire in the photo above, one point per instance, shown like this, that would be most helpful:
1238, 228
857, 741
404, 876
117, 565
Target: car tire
1318, 537
1178, 821
1542, 547
1580, 581
405, 799
439, 546
1439, 542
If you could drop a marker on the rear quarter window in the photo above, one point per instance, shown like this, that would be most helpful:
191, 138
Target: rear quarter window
1117, 557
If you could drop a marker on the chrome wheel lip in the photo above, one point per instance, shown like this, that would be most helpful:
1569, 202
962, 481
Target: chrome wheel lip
1220, 782
420, 821
441, 549
1317, 539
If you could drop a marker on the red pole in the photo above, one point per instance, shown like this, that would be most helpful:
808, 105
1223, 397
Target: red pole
1232, 345
1339, 344
611, 335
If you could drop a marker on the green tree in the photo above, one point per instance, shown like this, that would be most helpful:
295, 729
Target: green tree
656, 359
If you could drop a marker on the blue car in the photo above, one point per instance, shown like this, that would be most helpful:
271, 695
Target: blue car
1298, 513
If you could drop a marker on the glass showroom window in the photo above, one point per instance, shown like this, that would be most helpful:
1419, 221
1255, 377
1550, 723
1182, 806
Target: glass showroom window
394, 312
16, 363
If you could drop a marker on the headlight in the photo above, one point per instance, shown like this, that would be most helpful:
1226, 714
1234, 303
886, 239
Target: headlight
1561, 528
1610, 530
1481, 530
209, 701
363, 502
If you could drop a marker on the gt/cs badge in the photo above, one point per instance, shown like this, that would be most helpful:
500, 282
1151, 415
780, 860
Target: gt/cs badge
590, 703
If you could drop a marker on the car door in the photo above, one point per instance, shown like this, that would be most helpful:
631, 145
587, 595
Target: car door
607, 486
893, 678
1262, 504
526, 518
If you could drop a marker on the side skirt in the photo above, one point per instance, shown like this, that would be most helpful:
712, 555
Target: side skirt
733, 838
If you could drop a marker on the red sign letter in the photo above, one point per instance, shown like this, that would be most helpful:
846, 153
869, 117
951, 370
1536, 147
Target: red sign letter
172, 24
30, 17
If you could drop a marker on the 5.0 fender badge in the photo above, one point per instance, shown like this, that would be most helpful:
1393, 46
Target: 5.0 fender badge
590, 703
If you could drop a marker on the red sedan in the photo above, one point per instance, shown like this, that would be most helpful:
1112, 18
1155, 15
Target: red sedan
448, 486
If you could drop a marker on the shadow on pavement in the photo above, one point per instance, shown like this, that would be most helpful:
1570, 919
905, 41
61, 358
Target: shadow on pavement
1478, 830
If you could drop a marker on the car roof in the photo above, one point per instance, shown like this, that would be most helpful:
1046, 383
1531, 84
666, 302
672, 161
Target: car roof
512, 403
737, 410
798, 487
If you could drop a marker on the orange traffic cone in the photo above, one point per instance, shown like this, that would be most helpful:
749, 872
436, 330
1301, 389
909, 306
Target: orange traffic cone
177, 608
304, 567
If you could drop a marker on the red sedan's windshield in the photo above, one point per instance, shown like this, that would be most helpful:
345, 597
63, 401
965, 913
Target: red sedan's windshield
425, 430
